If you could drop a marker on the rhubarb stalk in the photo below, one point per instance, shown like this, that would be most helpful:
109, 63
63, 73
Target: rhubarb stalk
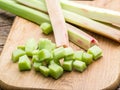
58, 23
40, 17
80, 38
86, 23
100, 14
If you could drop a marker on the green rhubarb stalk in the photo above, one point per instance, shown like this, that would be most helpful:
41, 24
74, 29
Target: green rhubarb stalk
76, 35
35, 5
100, 14
93, 26
23, 11
80, 38
39, 18
85, 22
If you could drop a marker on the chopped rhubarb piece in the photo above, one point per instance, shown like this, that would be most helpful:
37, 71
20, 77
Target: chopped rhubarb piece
78, 55
30, 46
79, 65
80, 38
58, 53
24, 63
44, 54
87, 58
22, 47
46, 28
67, 65
55, 70
70, 57
68, 51
95, 51
16, 54
35, 58
36, 66
46, 44
44, 70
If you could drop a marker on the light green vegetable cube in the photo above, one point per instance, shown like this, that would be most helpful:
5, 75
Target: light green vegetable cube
30, 46
79, 65
49, 59
70, 57
36, 66
87, 58
44, 54
67, 65
59, 53
44, 70
78, 55
95, 51
46, 44
22, 47
46, 28
24, 63
55, 70
16, 54
35, 52
52, 62
35, 58
68, 51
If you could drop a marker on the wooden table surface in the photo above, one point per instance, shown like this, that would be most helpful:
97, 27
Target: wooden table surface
6, 20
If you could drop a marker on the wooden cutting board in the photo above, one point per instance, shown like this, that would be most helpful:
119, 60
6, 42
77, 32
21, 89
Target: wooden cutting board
102, 74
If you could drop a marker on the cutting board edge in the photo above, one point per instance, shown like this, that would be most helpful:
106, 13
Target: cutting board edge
113, 85
4, 85
10, 86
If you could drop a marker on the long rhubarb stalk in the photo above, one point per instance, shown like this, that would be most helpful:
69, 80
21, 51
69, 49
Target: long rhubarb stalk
83, 40
23, 11
85, 22
58, 23
93, 26
100, 14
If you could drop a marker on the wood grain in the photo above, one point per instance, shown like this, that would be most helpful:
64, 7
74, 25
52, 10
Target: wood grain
102, 74
6, 20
